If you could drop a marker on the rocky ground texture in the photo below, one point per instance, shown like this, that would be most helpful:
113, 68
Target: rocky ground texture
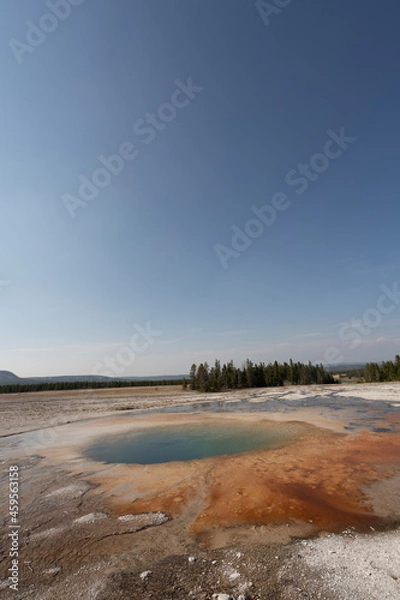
74, 545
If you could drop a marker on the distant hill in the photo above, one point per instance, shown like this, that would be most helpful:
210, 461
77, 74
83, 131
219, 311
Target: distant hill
9, 378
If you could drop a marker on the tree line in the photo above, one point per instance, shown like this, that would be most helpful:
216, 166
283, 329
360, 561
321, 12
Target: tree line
227, 376
49, 386
386, 371
217, 378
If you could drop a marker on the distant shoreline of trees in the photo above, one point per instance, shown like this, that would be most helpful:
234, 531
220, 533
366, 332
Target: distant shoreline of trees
251, 375
52, 386
387, 371
226, 377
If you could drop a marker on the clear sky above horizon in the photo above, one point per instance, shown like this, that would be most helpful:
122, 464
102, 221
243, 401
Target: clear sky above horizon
215, 112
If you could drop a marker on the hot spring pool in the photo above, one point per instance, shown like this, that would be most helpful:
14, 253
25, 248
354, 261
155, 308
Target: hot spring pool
183, 442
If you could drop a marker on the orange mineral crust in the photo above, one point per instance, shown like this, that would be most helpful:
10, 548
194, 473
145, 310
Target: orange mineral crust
321, 479
318, 481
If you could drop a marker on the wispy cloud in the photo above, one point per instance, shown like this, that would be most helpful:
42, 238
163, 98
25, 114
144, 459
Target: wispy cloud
379, 269
372, 341
309, 335
230, 332
70, 347
168, 342
226, 333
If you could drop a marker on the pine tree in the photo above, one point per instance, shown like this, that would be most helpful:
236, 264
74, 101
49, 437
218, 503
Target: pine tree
193, 371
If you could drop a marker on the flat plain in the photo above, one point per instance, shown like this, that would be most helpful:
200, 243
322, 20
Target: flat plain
315, 518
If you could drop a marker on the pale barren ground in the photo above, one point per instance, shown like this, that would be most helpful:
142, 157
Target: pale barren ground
283, 523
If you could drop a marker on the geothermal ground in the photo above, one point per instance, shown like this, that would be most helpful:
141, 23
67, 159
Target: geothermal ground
317, 517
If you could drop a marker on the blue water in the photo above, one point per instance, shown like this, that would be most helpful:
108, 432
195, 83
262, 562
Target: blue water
185, 442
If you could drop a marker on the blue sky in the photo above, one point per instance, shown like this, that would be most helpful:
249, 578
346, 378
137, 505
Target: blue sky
141, 255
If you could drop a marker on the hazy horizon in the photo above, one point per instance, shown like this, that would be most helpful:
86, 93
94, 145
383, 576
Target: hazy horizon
185, 371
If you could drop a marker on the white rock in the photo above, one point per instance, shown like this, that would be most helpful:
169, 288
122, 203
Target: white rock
46, 533
222, 597
243, 587
145, 574
154, 518
91, 517
192, 559
53, 571
70, 490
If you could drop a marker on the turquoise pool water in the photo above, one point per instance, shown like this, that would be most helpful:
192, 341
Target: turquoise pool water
185, 442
